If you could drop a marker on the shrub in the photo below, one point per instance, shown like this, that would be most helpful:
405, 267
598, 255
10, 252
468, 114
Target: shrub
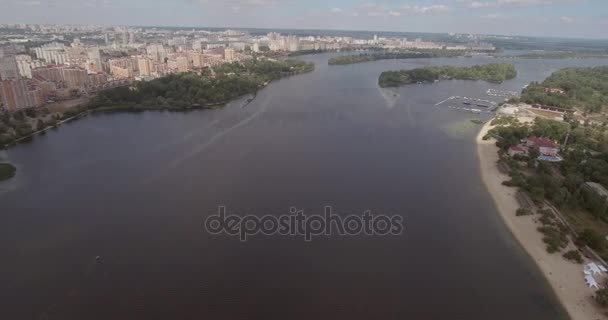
592, 239
574, 255
601, 297
523, 212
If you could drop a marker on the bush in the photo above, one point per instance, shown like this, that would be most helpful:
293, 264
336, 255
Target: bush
523, 212
601, 297
554, 238
590, 238
574, 255
7, 171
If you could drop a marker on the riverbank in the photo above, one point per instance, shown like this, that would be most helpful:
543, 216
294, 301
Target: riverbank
565, 277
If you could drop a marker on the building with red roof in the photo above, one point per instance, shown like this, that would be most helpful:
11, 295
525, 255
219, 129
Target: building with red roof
517, 150
546, 146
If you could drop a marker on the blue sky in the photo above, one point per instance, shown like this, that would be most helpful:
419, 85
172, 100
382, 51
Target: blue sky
557, 18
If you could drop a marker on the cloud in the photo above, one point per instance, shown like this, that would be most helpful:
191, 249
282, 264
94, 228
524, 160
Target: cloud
336, 10
237, 5
477, 5
515, 3
378, 10
567, 19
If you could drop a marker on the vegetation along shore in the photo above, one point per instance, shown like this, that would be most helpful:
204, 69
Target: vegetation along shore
7, 171
493, 72
178, 92
548, 178
387, 55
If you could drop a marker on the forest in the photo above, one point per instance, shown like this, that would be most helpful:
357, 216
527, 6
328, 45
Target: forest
494, 72
366, 57
583, 88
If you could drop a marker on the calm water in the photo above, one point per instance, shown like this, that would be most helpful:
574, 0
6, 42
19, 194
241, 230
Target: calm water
135, 189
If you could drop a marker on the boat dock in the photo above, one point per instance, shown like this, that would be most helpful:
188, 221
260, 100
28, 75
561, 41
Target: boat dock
471, 104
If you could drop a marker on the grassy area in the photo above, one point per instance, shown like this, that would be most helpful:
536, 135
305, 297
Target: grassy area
7, 171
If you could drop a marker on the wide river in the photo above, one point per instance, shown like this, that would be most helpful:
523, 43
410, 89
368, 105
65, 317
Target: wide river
136, 188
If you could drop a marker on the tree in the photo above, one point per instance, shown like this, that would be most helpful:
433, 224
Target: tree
601, 297
40, 125
590, 238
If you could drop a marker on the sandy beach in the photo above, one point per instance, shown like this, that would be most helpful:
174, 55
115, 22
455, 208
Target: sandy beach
565, 277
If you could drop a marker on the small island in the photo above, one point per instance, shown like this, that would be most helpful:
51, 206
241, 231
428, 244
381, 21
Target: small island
366, 57
7, 171
494, 72
560, 55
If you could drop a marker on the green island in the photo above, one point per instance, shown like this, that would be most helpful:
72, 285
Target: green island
494, 72
7, 171
571, 88
366, 57
559, 55
185, 91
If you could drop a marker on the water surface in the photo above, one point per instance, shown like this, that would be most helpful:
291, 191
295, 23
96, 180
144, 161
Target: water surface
136, 188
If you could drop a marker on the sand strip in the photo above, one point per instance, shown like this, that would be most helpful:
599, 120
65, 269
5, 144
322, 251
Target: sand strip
565, 277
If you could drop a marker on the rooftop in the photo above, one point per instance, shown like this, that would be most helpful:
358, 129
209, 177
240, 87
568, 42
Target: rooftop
598, 188
542, 142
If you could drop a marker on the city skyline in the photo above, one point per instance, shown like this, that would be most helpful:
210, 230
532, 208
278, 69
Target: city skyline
542, 18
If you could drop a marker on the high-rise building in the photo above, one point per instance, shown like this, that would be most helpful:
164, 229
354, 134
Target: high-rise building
274, 36
183, 64
50, 73
97, 79
8, 68
197, 45
157, 52
94, 56
75, 78
196, 58
17, 94
255, 47
121, 72
229, 55
24, 64
55, 52
145, 66
293, 43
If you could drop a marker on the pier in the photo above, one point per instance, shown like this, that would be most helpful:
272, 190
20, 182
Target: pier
470, 104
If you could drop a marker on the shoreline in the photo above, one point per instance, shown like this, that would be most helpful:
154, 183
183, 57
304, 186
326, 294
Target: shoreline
564, 277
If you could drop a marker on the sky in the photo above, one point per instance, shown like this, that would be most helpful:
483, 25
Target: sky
553, 18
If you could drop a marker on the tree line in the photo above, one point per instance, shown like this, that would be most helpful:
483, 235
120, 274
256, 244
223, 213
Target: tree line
494, 72
366, 57
190, 90
583, 88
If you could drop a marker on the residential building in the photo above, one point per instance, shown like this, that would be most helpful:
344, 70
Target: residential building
544, 145
18, 94
121, 72
229, 55
145, 66
9, 68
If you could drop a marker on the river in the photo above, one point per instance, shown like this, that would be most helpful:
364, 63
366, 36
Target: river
135, 189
